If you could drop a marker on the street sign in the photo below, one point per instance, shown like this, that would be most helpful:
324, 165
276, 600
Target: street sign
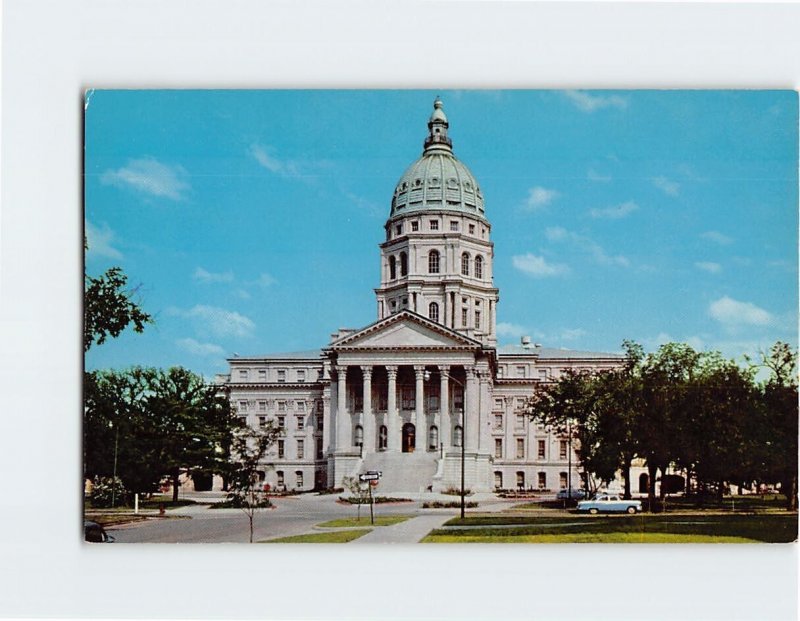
372, 475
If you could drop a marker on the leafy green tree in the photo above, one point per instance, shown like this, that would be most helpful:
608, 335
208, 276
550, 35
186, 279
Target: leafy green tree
247, 467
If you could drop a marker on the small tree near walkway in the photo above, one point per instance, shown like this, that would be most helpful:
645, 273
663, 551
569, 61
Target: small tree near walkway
246, 490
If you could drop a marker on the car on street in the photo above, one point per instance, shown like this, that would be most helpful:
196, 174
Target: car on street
575, 494
609, 503
95, 533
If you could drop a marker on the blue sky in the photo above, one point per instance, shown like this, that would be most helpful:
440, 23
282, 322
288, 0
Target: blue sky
249, 221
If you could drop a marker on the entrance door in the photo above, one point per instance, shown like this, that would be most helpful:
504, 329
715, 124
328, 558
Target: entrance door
409, 438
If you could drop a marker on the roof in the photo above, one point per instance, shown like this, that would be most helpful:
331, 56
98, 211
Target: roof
553, 353
311, 354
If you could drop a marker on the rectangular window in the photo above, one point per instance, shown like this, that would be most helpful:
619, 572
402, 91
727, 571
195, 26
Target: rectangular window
318, 444
498, 403
542, 375
281, 449
472, 229
519, 423
281, 375
281, 481
262, 421
540, 451
453, 225
262, 406
498, 421
301, 423
281, 406
301, 449
262, 375
520, 448
281, 422
301, 406
408, 398
398, 230
301, 376
562, 449
521, 480
498, 447
562, 480
458, 398
520, 371
243, 375
477, 320
542, 480
464, 320
415, 226
299, 476
434, 225
243, 406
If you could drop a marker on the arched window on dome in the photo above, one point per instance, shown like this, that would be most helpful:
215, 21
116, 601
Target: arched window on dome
392, 268
403, 264
465, 264
433, 262
433, 311
479, 266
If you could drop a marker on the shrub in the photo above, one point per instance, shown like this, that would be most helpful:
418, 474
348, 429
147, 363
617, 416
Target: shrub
456, 491
354, 500
438, 504
330, 490
107, 491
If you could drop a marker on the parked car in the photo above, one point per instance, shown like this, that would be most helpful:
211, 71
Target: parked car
95, 533
609, 503
576, 494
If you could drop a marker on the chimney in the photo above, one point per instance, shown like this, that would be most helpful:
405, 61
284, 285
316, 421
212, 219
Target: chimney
526, 341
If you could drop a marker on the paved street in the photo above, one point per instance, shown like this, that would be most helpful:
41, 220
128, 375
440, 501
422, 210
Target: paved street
292, 515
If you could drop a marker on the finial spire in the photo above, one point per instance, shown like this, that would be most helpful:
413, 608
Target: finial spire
437, 129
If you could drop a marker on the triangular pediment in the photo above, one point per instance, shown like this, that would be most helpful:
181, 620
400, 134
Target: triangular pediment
405, 330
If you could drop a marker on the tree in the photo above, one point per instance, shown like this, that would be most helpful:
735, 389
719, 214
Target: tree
108, 308
146, 423
246, 472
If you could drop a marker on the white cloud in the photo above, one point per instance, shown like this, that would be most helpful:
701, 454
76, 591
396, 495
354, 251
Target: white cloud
243, 294
266, 280
537, 266
150, 176
205, 276
615, 212
539, 197
560, 234
100, 241
709, 266
505, 329
667, 186
273, 164
593, 175
220, 322
571, 334
732, 312
589, 103
717, 237
200, 349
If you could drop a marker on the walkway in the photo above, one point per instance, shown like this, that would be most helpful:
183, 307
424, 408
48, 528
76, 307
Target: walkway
410, 531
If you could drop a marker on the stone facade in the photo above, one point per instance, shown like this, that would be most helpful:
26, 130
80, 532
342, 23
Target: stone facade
403, 394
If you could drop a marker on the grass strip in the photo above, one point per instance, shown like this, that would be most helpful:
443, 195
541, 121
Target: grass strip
337, 536
381, 520
587, 538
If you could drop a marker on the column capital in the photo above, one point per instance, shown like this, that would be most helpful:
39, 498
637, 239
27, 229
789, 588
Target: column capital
419, 371
444, 369
391, 371
341, 369
366, 372
484, 376
471, 372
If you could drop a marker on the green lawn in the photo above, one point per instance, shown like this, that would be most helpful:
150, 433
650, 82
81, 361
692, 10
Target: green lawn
337, 536
381, 520
643, 528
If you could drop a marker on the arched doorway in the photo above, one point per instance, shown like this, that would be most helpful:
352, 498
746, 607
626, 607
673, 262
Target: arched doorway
644, 483
409, 438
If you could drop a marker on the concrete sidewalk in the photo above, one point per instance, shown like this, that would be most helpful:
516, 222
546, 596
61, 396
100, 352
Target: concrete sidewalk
410, 531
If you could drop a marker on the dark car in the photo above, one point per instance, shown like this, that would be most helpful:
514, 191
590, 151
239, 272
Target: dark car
95, 533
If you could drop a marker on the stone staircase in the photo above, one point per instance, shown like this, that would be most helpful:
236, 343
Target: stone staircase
403, 472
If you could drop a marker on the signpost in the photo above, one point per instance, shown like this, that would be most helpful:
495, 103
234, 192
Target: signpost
371, 477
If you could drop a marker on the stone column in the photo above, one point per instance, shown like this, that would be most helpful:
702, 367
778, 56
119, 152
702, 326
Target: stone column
484, 413
344, 432
392, 430
471, 414
446, 311
369, 417
421, 438
327, 435
445, 434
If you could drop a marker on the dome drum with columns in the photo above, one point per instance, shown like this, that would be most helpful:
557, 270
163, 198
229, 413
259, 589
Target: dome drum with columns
406, 393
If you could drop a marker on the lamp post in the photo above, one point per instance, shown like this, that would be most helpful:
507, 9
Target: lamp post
427, 376
114, 476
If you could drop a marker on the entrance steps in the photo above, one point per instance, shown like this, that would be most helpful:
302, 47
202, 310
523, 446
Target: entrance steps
403, 472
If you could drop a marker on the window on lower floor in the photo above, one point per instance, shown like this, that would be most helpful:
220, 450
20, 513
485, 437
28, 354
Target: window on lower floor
520, 448
299, 478
358, 436
383, 437
433, 437
542, 480
498, 479
318, 445
281, 422
498, 447
540, 449
521, 480
262, 421
281, 449
301, 449
498, 421
301, 423
281, 480
407, 401
458, 435
562, 449
562, 480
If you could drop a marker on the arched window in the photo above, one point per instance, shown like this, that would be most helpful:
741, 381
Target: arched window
433, 262
392, 268
479, 266
433, 311
383, 438
358, 436
458, 435
403, 264
433, 437
465, 264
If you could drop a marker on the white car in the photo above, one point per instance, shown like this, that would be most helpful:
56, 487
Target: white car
610, 503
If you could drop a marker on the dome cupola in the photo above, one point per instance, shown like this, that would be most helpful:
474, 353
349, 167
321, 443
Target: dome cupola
437, 181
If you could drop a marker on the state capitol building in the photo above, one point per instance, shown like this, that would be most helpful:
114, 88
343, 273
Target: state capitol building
403, 394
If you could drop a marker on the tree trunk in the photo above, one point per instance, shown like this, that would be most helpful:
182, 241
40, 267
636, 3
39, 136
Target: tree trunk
626, 472
651, 486
789, 489
250, 515
720, 489
175, 482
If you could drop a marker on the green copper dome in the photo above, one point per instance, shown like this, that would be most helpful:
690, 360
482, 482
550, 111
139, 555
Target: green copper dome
437, 180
